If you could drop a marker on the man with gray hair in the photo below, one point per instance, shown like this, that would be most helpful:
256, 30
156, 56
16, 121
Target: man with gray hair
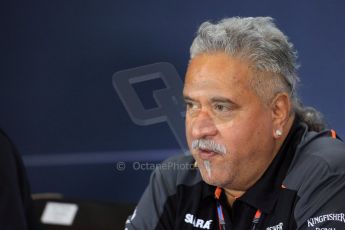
263, 160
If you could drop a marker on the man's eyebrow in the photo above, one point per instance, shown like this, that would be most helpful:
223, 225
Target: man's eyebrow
187, 98
213, 100
222, 100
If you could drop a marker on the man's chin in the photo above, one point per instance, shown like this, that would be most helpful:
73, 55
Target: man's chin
211, 180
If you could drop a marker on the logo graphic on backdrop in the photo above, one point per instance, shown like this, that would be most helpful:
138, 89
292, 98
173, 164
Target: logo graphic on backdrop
170, 104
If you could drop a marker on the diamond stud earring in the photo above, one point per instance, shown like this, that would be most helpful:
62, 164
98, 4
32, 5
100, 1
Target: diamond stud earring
278, 133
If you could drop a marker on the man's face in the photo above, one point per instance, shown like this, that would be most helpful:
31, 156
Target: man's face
222, 107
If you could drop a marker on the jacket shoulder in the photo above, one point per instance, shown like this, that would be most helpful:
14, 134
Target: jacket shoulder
180, 169
317, 174
317, 154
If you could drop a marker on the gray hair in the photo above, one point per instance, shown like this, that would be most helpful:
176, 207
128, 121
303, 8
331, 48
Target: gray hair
259, 41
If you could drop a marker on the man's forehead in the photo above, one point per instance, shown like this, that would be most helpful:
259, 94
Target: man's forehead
212, 92
230, 84
211, 83
216, 68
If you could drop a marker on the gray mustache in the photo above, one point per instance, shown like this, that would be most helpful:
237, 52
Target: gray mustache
208, 145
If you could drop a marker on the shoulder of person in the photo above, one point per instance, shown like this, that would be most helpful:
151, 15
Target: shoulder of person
318, 157
177, 170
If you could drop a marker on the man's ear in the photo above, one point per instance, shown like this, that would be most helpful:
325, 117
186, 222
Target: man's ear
281, 111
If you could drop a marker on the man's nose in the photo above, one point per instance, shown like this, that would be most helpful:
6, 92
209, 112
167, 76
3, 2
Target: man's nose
203, 126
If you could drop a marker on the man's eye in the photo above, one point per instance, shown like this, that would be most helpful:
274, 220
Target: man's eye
221, 107
188, 105
191, 106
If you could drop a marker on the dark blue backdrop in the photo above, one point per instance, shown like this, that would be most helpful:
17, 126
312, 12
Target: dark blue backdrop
60, 108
